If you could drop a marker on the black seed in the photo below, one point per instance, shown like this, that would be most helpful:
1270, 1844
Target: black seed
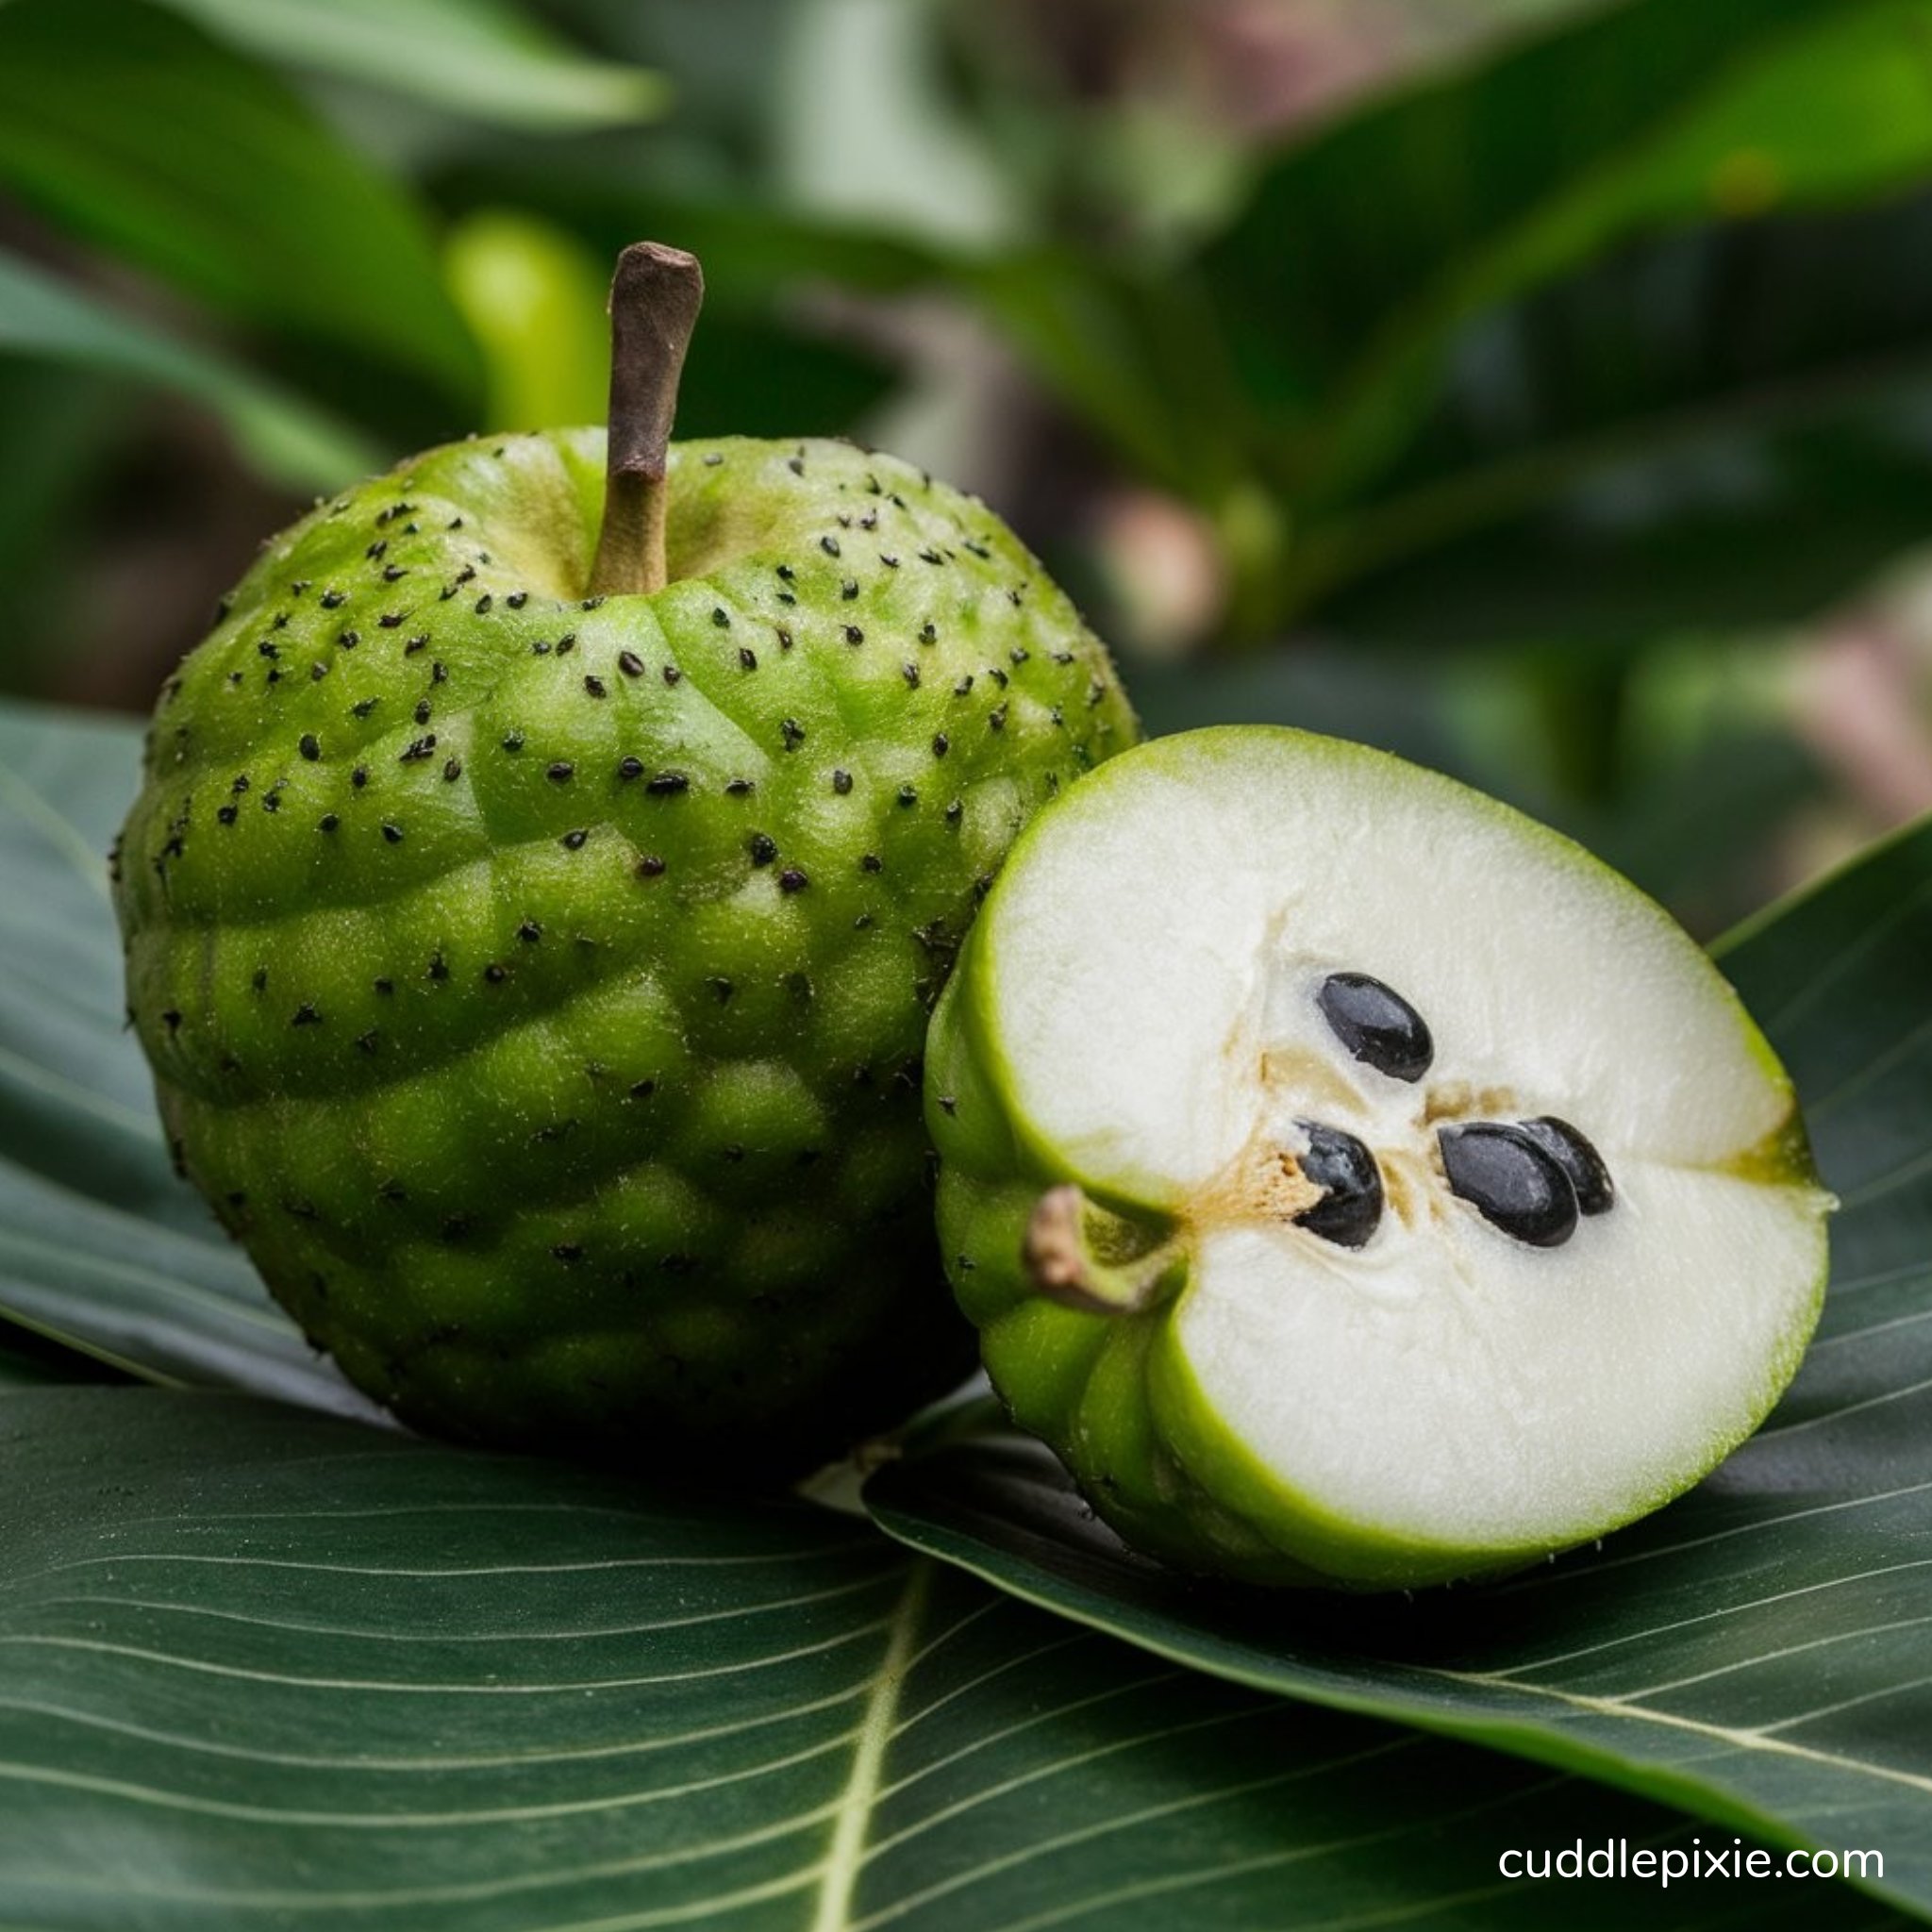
642, 1090
266, 649
574, 841
421, 711
566, 644
171, 1019
591, 604
561, 771
795, 464
451, 769
385, 987
783, 638
512, 741
722, 987
963, 686
227, 814
629, 768
1351, 1210
517, 599
367, 1041
317, 672
889, 562
483, 602
360, 777
763, 848
529, 932
258, 979
651, 867
390, 620
792, 880
439, 673
672, 674
848, 589
348, 639
841, 782
393, 834
332, 600
928, 634
439, 967
1376, 1024
872, 862
785, 571
363, 708
419, 642
327, 822
747, 657
1511, 1180
306, 1015
740, 788
909, 672
854, 635
954, 812
996, 718
668, 784
941, 744
495, 973
908, 795
1018, 654
630, 663
829, 545
1572, 1151
418, 750
390, 575
792, 732
930, 556
721, 616
594, 686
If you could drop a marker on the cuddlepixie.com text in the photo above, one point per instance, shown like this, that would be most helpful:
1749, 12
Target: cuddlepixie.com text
1617, 1857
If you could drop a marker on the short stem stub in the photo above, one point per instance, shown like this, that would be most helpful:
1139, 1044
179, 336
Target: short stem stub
654, 297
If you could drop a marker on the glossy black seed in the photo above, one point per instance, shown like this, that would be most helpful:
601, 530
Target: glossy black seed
841, 782
1376, 1024
1511, 1180
629, 768
574, 841
561, 771
763, 848
1572, 1152
1351, 1210
630, 663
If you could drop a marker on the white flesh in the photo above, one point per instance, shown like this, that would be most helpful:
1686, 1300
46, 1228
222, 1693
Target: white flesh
1154, 962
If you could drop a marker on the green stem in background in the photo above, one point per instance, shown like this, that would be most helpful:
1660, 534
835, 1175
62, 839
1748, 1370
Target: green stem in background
654, 297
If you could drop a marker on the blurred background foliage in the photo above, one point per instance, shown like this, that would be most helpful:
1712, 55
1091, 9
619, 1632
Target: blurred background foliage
1540, 388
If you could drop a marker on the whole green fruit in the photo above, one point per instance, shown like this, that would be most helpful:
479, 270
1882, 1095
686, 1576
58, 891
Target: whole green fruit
1354, 1181
535, 981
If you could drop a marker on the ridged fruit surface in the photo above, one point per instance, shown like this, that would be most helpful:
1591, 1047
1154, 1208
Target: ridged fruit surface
1353, 1180
535, 984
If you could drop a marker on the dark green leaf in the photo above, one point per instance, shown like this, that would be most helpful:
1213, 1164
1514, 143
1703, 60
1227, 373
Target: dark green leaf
1756, 1651
140, 135
257, 1667
44, 320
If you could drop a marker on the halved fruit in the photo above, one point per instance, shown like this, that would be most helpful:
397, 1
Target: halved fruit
1354, 1180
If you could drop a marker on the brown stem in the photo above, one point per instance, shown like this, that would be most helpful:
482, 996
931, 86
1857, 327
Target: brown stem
654, 307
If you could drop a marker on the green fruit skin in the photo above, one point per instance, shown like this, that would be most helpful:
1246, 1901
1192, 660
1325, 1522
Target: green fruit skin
1113, 1395
535, 985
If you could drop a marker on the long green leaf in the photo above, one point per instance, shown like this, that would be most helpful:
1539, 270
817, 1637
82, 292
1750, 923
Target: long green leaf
139, 134
288, 440
259, 1668
482, 58
1759, 1650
